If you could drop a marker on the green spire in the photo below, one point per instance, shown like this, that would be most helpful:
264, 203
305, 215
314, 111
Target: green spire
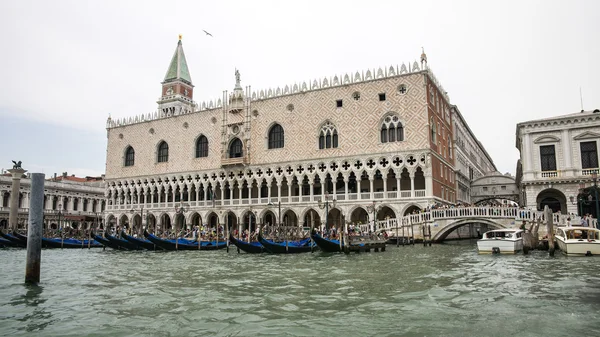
178, 69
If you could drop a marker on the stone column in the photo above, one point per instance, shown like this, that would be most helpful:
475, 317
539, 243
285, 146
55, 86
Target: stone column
397, 186
412, 184
279, 191
14, 198
346, 180
371, 179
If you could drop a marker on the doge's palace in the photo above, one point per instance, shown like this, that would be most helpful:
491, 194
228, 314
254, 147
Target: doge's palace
372, 144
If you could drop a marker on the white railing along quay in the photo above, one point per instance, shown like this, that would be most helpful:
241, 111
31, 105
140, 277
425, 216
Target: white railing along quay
474, 213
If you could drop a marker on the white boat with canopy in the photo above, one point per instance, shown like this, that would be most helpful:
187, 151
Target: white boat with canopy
578, 240
502, 241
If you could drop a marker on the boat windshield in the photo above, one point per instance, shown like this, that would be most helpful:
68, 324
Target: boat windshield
583, 234
500, 235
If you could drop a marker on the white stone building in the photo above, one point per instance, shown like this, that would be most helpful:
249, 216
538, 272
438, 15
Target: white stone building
348, 148
69, 201
559, 157
472, 160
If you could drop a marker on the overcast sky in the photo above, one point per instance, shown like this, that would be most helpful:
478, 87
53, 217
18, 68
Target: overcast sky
67, 65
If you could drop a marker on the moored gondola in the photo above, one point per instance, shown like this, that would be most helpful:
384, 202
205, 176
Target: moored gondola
142, 243
103, 241
292, 247
16, 241
252, 247
69, 243
326, 245
124, 244
184, 244
7, 243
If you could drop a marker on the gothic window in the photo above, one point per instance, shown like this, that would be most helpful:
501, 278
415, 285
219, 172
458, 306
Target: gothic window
276, 137
163, 152
433, 130
589, 155
129, 156
392, 129
384, 133
328, 137
201, 147
235, 149
548, 158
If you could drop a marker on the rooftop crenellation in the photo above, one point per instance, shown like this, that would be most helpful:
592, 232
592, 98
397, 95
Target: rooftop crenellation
295, 88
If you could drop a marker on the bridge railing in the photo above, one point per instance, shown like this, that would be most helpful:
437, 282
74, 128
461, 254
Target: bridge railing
515, 213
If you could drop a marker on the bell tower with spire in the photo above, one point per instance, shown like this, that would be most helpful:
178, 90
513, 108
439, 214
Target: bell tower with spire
177, 88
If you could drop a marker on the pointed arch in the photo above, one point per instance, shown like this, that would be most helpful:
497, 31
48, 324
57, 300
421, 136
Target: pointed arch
392, 128
328, 136
236, 149
201, 146
276, 137
163, 152
129, 156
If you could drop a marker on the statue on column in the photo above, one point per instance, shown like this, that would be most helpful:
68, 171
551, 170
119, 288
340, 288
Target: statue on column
17, 164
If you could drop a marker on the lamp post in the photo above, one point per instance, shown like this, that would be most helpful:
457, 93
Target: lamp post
594, 178
180, 210
139, 231
374, 209
326, 206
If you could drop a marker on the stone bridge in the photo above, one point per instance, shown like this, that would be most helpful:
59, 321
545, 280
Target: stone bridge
444, 221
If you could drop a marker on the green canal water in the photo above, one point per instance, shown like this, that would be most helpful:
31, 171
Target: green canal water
443, 290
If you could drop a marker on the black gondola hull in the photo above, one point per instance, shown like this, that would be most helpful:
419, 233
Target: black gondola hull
16, 241
106, 243
124, 244
140, 243
275, 248
169, 245
326, 245
246, 247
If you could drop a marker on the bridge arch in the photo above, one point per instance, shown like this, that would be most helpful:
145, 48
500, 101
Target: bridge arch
443, 232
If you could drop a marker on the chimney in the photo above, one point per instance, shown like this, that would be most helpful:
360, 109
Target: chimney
64, 174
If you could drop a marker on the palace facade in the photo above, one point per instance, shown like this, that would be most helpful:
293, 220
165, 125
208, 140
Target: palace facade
472, 160
558, 167
374, 144
69, 201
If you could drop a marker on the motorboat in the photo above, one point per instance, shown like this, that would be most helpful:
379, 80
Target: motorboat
578, 240
501, 241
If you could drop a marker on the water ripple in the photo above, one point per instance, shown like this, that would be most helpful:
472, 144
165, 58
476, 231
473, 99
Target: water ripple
445, 290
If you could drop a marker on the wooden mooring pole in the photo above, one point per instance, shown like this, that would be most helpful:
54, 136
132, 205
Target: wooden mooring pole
549, 229
34, 230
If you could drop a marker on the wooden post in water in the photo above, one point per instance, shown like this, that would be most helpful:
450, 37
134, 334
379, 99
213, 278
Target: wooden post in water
397, 237
527, 238
403, 237
549, 229
34, 231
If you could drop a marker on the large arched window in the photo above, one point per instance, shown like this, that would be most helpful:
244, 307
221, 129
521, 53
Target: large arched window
328, 137
201, 147
163, 152
129, 156
392, 129
433, 130
276, 137
235, 149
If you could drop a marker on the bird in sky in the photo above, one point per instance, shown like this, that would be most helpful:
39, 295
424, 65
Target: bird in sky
207, 33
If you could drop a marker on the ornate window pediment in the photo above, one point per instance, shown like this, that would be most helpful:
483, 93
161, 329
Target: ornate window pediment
546, 139
587, 135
